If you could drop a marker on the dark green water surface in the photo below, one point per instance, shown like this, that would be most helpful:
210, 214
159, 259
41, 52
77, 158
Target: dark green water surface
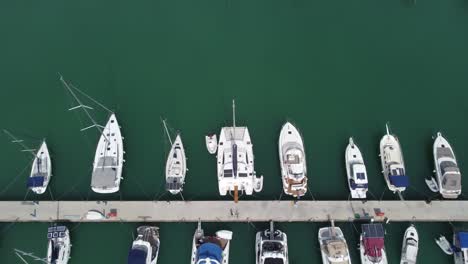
335, 68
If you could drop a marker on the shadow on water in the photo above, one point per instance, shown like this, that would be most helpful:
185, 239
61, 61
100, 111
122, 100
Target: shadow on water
408, 3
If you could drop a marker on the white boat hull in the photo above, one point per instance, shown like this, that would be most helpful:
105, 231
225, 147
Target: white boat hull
63, 254
441, 142
176, 167
108, 160
389, 141
42, 164
365, 259
353, 156
211, 142
223, 234
409, 252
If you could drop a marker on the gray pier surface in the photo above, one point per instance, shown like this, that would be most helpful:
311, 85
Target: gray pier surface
228, 211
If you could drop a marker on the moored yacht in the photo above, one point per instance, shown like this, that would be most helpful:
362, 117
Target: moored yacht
333, 245
210, 249
108, 161
271, 247
211, 142
235, 162
460, 244
448, 174
58, 246
393, 165
372, 246
176, 167
41, 170
356, 171
292, 160
145, 248
409, 249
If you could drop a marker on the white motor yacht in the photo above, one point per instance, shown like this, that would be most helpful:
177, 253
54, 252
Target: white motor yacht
356, 171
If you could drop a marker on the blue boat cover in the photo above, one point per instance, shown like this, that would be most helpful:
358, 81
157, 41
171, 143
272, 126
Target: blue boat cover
399, 180
463, 238
36, 181
210, 250
137, 256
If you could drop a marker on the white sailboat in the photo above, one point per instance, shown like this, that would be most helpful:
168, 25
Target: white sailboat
393, 165
176, 164
145, 248
333, 245
41, 169
58, 246
271, 247
108, 159
446, 168
356, 171
443, 243
409, 249
211, 142
210, 249
235, 162
292, 160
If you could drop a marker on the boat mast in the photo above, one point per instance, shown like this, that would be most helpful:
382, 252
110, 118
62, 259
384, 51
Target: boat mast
167, 131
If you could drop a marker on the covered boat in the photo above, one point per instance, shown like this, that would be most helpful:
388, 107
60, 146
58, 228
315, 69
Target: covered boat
108, 161
271, 247
372, 247
41, 170
333, 246
410, 246
356, 171
292, 160
58, 246
446, 167
145, 248
210, 249
176, 167
393, 165
460, 244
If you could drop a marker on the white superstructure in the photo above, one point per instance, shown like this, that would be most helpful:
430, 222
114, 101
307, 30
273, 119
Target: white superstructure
58, 246
210, 249
356, 171
176, 167
271, 247
333, 246
393, 165
410, 246
447, 171
41, 170
145, 248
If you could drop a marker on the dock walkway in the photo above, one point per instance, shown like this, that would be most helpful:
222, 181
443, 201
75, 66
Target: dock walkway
228, 211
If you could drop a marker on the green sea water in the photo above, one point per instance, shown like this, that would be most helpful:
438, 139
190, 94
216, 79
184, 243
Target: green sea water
335, 68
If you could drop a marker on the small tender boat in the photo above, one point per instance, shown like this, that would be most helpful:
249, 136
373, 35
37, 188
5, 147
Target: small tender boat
210, 249
176, 167
393, 165
108, 161
271, 247
460, 243
292, 160
409, 249
432, 184
59, 246
235, 162
145, 248
447, 171
372, 249
211, 141
333, 245
94, 215
443, 243
356, 171
41, 170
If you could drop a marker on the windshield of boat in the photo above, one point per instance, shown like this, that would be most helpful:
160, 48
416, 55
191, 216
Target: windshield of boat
272, 246
273, 261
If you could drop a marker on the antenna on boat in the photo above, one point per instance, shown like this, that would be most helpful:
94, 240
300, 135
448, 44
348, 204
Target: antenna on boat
82, 106
167, 131
20, 142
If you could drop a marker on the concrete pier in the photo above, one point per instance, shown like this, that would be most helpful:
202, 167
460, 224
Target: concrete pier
228, 211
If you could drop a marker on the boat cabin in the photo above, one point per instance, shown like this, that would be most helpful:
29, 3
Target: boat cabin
373, 241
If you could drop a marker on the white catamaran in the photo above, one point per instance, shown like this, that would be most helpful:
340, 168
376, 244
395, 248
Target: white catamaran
145, 248
446, 168
235, 161
271, 247
176, 164
292, 160
210, 249
108, 160
58, 246
356, 171
41, 169
393, 165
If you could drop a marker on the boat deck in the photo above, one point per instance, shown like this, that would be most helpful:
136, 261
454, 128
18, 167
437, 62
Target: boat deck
228, 211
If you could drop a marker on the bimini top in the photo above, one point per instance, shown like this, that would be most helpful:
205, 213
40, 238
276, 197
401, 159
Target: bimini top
36, 181
137, 256
210, 253
56, 232
373, 236
463, 238
399, 180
